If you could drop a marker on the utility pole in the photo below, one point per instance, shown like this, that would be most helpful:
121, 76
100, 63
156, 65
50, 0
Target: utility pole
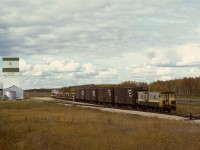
190, 110
73, 99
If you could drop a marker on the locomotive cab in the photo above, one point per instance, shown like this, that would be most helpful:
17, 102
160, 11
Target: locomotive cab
162, 101
167, 100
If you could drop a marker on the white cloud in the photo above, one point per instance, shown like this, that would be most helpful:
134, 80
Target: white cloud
178, 56
55, 66
72, 66
164, 78
89, 69
142, 69
38, 69
107, 73
163, 71
194, 72
161, 57
149, 73
189, 55
23, 65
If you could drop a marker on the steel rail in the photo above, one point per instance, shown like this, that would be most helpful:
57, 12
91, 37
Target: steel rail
83, 103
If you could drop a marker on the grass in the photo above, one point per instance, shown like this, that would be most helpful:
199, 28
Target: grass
28, 95
184, 107
33, 125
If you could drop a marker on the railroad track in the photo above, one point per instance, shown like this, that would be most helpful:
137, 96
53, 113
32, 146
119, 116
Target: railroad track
80, 103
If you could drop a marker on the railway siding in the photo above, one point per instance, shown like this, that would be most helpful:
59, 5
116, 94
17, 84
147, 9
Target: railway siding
114, 110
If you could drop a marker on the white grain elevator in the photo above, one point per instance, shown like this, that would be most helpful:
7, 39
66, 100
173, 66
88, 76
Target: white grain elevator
10, 71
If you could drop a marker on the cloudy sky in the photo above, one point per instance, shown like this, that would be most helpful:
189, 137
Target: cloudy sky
74, 42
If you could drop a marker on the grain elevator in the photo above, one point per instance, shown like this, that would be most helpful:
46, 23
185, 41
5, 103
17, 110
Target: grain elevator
11, 73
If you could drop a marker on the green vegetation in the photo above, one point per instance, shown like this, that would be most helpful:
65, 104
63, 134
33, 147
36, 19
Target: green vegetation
33, 125
185, 87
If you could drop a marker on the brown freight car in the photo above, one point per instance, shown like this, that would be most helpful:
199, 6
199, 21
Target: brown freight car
105, 95
127, 96
91, 95
81, 94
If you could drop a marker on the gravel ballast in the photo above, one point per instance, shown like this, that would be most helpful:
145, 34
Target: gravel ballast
114, 110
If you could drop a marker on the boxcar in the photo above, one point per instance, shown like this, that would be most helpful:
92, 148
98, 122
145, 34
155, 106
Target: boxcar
59, 95
133, 94
119, 96
127, 96
65, 95
81, 94
105, 95
71, 96
91, 95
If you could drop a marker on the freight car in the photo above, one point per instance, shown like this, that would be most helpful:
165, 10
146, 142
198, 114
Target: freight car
91, 95
70, 96
105, 96
60, 95
127, 96
81, 94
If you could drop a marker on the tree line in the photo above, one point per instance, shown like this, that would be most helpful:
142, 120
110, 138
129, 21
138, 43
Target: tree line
182, 87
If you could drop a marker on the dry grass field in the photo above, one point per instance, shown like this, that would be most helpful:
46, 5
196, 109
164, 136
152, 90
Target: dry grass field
34, 125
31, 94
184, 107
